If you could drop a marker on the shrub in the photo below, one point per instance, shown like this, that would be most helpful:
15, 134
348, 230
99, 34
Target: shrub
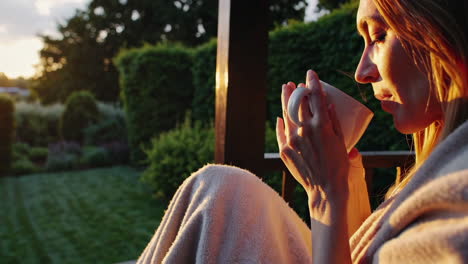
24, 166
95, 157
20, 150
111, 127
24, 157
157, 89
7, 126
62, 163
111, 111
36, 124
24, 151
106, 131
63, 156
177, 153
81, 111
38, 154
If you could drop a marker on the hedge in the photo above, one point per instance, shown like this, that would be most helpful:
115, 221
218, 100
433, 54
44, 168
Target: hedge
156, 90
203, 69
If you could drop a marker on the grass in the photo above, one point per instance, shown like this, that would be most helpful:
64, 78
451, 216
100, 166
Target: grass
93, 216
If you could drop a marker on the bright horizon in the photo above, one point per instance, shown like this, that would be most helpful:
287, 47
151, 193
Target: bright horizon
25, 19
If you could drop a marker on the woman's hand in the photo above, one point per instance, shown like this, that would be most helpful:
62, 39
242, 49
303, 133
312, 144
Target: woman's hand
315, 153
316, 156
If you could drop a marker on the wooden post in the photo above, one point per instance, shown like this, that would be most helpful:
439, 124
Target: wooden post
289, 184
241, 80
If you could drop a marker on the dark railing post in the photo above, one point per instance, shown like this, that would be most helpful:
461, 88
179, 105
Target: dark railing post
287, 192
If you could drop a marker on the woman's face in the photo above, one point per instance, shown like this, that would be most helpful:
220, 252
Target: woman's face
400, 86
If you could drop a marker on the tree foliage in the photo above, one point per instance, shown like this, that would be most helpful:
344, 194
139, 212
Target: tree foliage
19, 82
331, 4
80, 58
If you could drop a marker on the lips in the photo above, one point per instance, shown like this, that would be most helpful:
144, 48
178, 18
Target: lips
386, 102
383, 97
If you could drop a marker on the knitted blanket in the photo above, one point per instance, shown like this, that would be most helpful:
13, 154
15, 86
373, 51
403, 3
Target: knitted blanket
427, 222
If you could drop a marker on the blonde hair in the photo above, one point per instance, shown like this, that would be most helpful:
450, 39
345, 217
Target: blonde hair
434, 33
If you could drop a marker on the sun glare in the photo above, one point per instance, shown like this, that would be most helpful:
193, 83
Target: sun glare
17, 58
44, 6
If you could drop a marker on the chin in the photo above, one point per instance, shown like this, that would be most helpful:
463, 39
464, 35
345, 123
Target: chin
404, 129
407, 127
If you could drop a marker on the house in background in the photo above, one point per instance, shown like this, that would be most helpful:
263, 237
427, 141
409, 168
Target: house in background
15, 91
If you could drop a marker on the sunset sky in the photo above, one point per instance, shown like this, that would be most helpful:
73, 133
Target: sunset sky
22, 20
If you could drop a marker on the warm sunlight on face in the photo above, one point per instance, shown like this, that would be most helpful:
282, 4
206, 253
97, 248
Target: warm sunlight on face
17, 58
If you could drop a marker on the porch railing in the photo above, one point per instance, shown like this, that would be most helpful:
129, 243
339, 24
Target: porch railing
401, 160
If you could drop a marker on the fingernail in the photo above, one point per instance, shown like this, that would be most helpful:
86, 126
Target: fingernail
353, 153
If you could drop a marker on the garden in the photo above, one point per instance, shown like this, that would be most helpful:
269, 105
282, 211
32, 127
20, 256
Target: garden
88, 180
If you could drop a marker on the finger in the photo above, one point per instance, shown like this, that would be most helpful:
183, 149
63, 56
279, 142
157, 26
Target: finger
296, 166
304, 103
292, 84
304, 110
286, 91
280, 135
313, 79
355, 158
309, 154
353, 153
290, 127
318, 100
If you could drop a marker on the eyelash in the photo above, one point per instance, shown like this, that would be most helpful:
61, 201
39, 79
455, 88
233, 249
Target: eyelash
380, 38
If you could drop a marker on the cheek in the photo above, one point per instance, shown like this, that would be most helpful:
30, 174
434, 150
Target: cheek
417, 113
399, 71
411, 85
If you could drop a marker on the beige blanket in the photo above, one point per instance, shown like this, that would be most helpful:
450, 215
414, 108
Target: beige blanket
223, 214
427, 222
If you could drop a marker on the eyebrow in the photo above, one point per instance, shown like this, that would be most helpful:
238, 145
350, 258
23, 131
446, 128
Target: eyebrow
365, 20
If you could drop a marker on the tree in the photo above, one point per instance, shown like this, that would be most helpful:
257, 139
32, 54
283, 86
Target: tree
330, 4
81, 58
77, 61
4, 80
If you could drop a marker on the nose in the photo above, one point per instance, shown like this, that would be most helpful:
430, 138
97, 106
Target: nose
366, 71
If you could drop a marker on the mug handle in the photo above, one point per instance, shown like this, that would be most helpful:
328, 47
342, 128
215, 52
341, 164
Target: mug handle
294, 103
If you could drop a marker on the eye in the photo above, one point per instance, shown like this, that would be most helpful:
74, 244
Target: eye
379, 38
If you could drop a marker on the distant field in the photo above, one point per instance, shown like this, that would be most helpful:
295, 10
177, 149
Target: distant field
92, 216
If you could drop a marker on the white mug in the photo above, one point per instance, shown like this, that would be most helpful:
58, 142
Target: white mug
353, 116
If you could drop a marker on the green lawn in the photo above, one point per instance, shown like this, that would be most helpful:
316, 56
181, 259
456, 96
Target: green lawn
93, 216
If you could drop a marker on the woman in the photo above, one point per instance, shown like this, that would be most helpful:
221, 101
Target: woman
415, 57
